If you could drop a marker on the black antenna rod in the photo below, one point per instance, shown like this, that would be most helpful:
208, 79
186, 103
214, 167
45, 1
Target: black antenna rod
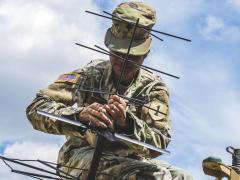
132, 100
91, 48
35, 175
38, 175
57, 169
113, 54
128, 22
160, 32
140, 65
13, 170
29, 166
126, 57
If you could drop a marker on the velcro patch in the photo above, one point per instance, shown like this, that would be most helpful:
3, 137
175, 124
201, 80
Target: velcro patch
161, 107
68, 78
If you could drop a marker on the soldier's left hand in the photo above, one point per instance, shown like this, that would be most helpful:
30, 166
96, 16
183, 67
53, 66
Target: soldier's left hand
116, 108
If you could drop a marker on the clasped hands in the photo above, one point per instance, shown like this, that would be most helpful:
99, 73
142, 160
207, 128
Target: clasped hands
103, 115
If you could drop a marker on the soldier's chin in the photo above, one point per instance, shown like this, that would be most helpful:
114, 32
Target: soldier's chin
126, 77
126, 80
116, 74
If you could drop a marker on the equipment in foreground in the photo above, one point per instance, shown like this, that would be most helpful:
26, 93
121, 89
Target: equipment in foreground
213, 166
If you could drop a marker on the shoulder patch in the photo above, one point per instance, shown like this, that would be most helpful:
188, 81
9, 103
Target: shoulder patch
72, 78
161, 107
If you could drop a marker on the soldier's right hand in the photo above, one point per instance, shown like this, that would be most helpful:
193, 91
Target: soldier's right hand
95, 114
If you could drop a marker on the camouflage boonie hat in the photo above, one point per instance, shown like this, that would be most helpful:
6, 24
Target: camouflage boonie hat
118, 37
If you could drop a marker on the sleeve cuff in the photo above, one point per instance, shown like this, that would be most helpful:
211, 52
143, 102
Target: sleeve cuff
129, 127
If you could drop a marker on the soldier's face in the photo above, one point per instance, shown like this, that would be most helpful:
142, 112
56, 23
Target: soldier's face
130, 69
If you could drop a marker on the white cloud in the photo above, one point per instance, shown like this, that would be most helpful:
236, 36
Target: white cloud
37, 45
30, 28
213, 88
30, 151
234, 3
174, 12
213, 24
33, 150
215, 29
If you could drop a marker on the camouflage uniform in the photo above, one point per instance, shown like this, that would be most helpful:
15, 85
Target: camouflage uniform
119, 160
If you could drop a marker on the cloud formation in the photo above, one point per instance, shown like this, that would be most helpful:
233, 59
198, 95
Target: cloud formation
215, 29
30, 47
30, 151
235, 4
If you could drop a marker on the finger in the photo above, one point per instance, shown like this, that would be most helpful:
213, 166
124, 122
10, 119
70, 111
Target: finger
95, 106
114, 98
96, 122
116, 113
118, 116
118, 99
114, 107
92, 111
107, 109
120, 107
105, 119
102, 109
110, 101
110, 111
100, 116
119, 110
122, 101
103, 112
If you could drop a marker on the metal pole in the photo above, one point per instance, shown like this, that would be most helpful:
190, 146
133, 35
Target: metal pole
101, 141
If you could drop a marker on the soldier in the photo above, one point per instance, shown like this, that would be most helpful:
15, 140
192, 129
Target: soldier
119, 160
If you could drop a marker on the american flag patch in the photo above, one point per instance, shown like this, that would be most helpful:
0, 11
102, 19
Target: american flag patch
68, 78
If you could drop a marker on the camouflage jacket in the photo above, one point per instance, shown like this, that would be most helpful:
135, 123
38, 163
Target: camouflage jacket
64, 97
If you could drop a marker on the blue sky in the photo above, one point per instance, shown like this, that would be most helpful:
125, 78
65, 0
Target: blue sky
2, 149
37, 45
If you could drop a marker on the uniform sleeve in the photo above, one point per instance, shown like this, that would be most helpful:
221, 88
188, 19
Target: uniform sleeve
56, 99
149, 126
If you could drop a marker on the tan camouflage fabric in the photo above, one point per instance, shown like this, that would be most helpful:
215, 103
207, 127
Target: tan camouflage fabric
120, 160
119, 35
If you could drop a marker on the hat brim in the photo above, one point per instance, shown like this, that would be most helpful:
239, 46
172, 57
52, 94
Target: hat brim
139, 47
